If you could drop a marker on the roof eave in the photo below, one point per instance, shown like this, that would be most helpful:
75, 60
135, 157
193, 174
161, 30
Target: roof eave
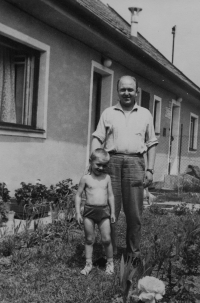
120, 39
133, 47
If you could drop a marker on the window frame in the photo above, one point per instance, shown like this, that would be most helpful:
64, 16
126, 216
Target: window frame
106, 94
195, 136
156, 98
12, 129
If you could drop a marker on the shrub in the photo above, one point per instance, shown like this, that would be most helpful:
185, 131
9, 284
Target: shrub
173, 245
4, 192
157, 210
29, 193
62, 196
62, 190
181, 209
4, 199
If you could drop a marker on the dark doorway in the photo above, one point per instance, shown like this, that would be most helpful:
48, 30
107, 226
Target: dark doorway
96, 100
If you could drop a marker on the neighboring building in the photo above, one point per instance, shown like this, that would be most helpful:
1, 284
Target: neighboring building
54, 84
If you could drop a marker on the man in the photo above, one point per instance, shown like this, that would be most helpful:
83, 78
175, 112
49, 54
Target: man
127, 133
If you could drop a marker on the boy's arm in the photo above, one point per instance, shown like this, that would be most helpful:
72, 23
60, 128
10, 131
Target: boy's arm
78, 199
111, 200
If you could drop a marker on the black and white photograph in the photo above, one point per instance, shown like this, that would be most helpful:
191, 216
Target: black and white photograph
99, 151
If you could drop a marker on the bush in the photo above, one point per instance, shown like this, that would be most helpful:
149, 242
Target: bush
31, 194
4, 192
4, 199
62, 197
62, 191
171, 244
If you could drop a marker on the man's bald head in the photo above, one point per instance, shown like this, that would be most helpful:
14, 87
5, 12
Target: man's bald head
129, 77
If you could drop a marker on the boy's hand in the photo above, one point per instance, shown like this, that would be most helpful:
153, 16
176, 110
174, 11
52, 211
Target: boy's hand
112, 218
79, 218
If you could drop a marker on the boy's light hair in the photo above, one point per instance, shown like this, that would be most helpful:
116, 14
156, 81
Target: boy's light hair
99, 152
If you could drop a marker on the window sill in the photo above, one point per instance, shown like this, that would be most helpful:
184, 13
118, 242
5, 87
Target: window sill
157, 135
21, 131
192, 150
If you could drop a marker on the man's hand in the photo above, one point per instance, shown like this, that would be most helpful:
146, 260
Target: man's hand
148, 179
112, 218
79, 218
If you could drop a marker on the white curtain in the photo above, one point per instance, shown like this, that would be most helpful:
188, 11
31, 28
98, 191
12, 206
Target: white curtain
7, 86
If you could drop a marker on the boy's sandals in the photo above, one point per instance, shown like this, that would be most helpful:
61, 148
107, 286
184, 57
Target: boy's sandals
87, 269
109, 268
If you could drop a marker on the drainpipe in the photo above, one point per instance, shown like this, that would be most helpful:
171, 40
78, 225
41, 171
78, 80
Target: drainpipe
134, 21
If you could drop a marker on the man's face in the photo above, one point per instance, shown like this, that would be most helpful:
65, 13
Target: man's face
127, 92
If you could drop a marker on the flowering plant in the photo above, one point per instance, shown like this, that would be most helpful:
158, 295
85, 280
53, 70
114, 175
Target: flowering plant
62, 190
62, 196
150, 289
31, 193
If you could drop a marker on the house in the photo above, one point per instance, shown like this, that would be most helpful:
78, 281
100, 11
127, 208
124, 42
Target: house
60, 62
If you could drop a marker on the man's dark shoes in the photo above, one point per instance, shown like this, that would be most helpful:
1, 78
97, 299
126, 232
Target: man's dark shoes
136, 261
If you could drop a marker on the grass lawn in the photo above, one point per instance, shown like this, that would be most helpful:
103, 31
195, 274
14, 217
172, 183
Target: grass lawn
44, 266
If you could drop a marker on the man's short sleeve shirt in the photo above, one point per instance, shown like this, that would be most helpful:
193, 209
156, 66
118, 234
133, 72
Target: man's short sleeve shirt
133, 133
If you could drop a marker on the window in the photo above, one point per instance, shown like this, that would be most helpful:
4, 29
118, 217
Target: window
193, 132
157, 114
24, 66
145, 99
18, 83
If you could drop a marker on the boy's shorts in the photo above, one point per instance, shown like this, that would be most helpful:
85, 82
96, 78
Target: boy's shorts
96, 212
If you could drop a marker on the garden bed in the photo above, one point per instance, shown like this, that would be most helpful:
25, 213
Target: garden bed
44, 265
24, 212
173, 195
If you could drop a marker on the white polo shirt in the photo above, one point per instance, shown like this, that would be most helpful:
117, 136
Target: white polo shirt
122, 133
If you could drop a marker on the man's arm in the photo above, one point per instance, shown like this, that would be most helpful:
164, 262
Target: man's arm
111, 201
151, 143
96, 143
78, 199
150, 160
99, 135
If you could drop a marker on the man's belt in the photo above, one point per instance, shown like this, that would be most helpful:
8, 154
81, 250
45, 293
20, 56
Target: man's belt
125, 154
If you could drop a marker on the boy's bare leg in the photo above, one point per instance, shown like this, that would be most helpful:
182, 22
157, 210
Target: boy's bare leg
89, 228
104, 227
105, 230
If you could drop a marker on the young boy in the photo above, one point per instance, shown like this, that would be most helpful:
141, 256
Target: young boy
98, 190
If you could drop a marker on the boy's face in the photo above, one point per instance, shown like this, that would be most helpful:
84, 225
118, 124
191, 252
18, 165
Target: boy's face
99, 165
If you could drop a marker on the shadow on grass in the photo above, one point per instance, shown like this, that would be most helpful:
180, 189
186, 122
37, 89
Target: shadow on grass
78, 257
99, 259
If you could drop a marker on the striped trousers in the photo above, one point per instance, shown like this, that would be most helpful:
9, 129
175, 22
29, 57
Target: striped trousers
127, 176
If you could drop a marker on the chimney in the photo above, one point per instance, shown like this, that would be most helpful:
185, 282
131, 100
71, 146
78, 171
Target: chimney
134, 20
